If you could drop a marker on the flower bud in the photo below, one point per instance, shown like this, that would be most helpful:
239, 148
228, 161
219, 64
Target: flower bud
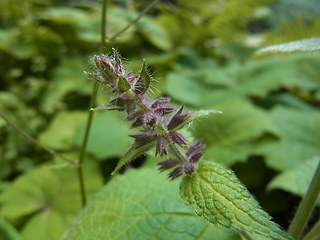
162, 147
164, 165
177, 172
163, 110
160, 102
143, 138
123, 84
143, 82
177, 138
106, 69
178, 119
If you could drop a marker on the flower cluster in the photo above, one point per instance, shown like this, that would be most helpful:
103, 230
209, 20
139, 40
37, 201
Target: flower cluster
157, 121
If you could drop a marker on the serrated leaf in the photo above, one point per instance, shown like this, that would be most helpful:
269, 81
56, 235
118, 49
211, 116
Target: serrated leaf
132, 153
108, 136
142, 204
216, 194
299, 138
49, 198
230, 136
304, 45
8, 232
296, 180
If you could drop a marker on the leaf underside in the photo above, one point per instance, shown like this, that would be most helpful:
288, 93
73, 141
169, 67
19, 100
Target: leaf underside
215, 193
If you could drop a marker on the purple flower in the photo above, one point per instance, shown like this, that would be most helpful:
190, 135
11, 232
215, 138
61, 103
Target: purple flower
194, 152
160, 102
143, 138
178, 119
162, 146
177, 172
177, 138
163, 110
170, 163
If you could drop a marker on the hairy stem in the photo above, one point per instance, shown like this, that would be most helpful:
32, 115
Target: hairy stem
134, 20
306, 206
90, 115
176, 151
36, 142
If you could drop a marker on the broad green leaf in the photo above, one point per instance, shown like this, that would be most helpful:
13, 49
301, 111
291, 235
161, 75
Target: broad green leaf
296, 180
304, 45
60, 132
8, 232
108, 136
191, 91
142, 204
230, 136
49, 198
216, 194
154, 33
262, 76
299, 138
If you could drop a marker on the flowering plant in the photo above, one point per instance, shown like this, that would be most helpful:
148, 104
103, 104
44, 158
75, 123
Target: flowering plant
158, 127
210, 189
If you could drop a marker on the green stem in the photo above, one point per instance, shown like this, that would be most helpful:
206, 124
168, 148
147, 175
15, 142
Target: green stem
36, 142
90, 115
306, 206
134, 20
314, 233
103, 23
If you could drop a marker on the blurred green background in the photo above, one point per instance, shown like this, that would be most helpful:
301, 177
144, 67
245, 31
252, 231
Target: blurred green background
201, 54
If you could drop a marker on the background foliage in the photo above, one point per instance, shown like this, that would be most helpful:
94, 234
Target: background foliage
202, 54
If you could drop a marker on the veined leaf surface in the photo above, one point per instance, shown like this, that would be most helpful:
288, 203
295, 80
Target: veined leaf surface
215, 193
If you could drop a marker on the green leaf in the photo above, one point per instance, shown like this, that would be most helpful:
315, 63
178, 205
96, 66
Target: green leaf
230, 136
304, 45
108, 136
49, 198
8, 232
216, 194
132, 153
191, 91
60, 132
67, 77
154, 33
141, 204
299, 138
296, 180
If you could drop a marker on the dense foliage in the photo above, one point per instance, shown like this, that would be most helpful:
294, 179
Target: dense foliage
203, 54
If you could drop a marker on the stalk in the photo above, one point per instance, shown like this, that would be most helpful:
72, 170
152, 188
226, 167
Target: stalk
306, 206
90, 115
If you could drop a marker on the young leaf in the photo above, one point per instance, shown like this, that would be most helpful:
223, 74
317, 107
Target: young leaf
215, 193
132, 153
141, 204
304, 45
